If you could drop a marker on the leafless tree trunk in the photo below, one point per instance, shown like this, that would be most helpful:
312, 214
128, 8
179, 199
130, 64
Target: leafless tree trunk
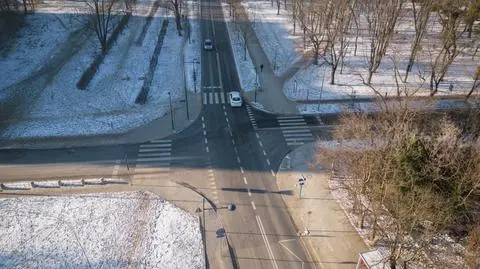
337, 35
381, 16
450, 18
104, 11
476, 82
420, 20
178, 15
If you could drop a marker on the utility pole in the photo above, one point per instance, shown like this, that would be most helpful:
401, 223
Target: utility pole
171, 109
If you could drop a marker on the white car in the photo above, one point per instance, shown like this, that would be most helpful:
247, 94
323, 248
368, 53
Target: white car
235, 99
208, 44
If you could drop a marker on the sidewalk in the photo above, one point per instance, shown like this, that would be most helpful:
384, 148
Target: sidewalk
271, 95
332, 239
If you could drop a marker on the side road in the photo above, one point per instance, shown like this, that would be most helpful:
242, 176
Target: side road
331, 237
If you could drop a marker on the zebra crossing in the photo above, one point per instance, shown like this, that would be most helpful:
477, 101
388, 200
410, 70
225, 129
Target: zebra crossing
153, 159
295, 130
251, 117
214, 98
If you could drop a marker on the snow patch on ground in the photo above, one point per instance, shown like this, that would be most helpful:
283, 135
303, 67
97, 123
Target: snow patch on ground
243, 62
98, 230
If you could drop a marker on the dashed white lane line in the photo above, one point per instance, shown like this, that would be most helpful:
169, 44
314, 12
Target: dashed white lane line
226, 120
256, 134
233, 141
264, 153
273, 173
203, 125
203, 119
235, 149
253, 205
245, 180
225, 113
204, 133
268, 162
249, 193
238, 160
206, 140
207, 149
223, 107
241, 169
261, 144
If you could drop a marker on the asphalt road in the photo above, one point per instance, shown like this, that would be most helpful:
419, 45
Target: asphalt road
234, 151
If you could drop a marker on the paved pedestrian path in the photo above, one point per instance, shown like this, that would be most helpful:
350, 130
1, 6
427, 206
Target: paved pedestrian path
333, 241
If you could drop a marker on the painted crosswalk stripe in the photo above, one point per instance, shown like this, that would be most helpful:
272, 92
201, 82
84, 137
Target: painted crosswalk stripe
296, 130
153, 159
297, 135
154, 154
210, 97
154, 150
204, 98
161, 141
216, 98
156, 145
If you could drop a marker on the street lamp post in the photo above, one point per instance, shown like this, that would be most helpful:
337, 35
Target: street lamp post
171, 109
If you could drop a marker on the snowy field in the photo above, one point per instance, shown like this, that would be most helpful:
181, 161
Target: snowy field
136, 230
283, 48
107, 105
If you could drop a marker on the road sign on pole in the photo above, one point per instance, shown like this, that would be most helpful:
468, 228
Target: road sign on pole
301, 182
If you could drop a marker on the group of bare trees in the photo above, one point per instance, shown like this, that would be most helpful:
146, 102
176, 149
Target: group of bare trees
18, 5
412, 177
332, 26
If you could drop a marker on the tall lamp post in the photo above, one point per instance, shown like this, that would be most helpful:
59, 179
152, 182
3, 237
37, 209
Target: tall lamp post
171, 109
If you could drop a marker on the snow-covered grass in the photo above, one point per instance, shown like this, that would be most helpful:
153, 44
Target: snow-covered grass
275, 33
117, 230
107, 106
192, 49
243, 62
35, 43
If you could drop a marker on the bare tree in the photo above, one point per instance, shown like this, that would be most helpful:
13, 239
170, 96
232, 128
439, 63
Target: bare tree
104, 11
337, 35
476, 82
381, 16
441, 59
314, 19
420, 19
178, 15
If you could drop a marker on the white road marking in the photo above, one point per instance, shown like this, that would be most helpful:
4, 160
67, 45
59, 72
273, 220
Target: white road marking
261, 144
203, 125
287, 135
265, 239
273, 173
207, 149
223, 107
204, 133
153, 159
264, 153
226, 119
233, 141
154, 154
256, 134
268, 162
235, 149
155, 145
253, 205
241, 169
238, 160
210, 97
204, 98
245, 180
203, 119
225, 113
206, 140
222, 97
291, 252
210, 170
161, 141
249, 193
216, 98
154, 150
